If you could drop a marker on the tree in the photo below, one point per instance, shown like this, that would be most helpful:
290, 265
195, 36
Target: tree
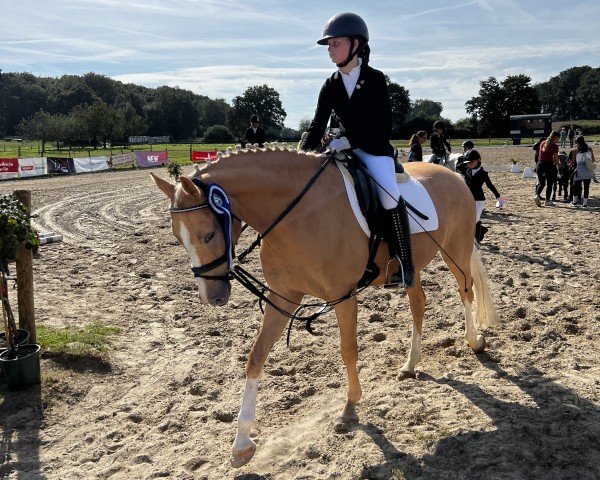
218, 134
400, 104
41, 126
559, 94
262, 101
587, 94
497, 101
424, 108
173, 112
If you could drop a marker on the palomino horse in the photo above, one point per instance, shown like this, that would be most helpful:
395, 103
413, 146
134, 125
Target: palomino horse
318, 249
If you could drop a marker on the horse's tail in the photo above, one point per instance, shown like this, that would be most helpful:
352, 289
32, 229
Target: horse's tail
488, 317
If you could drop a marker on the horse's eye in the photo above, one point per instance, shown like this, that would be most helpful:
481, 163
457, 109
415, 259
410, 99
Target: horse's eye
209, 237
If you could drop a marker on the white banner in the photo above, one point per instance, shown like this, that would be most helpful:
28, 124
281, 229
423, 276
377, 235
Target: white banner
90, 164
33, 167
119, 160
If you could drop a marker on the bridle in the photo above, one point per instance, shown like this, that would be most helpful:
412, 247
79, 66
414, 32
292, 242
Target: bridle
218, 203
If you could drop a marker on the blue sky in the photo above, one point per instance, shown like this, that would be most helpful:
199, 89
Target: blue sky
436, 49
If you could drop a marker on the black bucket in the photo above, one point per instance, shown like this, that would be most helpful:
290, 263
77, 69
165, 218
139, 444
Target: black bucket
24, 370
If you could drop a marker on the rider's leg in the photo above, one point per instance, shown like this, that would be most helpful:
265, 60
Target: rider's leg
397, 227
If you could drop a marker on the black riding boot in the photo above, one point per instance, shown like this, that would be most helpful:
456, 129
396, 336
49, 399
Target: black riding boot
480, 232
398, 239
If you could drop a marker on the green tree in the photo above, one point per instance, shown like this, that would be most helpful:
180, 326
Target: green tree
261, 100
587, 94
218, 134
174, 112
424, 108
400, 104
559, 94
41, 126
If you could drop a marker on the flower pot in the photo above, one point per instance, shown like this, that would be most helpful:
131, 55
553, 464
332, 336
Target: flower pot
515, 168
24, 370
22, 338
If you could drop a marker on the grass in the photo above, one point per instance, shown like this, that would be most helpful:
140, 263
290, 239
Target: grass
89, 341
180, 153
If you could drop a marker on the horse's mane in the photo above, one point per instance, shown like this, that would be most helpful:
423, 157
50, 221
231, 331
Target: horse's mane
281, 151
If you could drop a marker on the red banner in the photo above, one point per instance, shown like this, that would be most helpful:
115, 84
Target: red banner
203, 156
9, 168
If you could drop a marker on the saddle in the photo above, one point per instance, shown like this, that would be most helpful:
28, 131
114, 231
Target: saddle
366, 191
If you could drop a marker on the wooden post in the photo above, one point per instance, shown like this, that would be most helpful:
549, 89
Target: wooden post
24, 262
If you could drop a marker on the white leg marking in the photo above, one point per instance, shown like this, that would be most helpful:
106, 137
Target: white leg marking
184, 234
246, 417
414, 354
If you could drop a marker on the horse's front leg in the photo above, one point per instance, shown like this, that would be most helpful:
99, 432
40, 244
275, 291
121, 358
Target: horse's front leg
271, 329
346, 313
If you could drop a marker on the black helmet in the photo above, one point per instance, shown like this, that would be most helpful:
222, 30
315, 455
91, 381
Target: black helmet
254, 119
439, 124
344, 25
468, 144
472, 155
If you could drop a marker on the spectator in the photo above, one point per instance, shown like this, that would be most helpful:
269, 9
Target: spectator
359, 96
563, 137
571, 135
415, 153
255, 133
438, 143
546, 170
475, 177
468, 145
583, 175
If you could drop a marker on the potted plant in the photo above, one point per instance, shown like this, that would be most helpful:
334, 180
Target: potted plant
174, 170
20, 361
515, 166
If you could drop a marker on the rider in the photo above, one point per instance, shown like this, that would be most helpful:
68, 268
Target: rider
359, 96
438, 142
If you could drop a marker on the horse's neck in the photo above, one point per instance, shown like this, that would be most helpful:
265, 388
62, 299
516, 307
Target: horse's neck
260, 184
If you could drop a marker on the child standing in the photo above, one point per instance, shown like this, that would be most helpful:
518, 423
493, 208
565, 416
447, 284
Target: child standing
476, 177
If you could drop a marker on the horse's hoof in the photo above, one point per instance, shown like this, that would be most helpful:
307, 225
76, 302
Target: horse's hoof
241, 458
406, 374
344, 425
481, 344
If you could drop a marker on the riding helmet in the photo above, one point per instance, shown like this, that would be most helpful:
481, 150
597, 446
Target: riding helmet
472, 155
344, 25
468, 144
439, 124
254, 119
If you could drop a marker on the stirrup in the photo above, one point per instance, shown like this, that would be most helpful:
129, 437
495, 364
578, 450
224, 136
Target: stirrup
398, 279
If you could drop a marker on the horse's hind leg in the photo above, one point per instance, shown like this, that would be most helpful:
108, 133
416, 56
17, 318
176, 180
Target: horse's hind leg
346, 313
463, 274
416, 300
271, 330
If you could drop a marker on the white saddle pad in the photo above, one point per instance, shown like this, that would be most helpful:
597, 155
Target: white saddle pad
412, 191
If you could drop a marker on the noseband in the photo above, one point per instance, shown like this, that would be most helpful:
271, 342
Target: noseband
218, 204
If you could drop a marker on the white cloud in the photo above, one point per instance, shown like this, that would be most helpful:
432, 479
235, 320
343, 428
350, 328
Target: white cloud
437, 50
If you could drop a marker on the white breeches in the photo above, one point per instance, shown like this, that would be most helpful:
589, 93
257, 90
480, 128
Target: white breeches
382, 169
479, 205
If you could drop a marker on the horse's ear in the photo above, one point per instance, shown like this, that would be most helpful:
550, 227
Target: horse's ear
189, 187
167, 187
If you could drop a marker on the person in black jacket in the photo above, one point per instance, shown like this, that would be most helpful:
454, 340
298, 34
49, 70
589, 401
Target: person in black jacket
475, 177
255, 133
438, 143
359, 96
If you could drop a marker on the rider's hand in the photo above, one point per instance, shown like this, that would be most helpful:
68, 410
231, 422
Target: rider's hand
339, 144
500, 202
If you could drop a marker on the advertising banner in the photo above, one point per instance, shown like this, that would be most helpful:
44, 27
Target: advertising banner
151, 159
90, 164
33, 167
9, 168
120, 160
62, 166
203, 156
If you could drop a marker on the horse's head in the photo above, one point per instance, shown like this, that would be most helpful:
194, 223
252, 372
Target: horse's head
199, 230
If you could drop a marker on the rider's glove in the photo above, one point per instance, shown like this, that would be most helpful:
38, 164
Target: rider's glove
339, 144
500, 202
